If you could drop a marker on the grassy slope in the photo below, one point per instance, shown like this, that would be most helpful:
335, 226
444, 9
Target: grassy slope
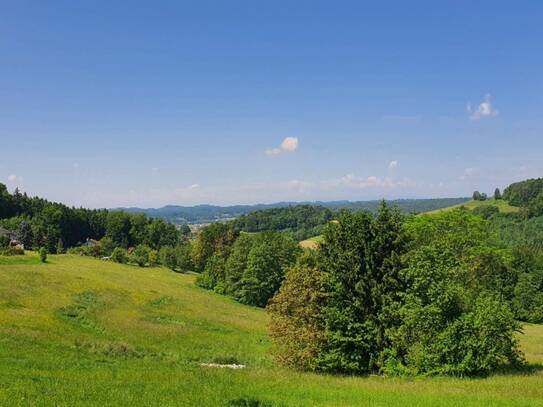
79, 331
502, 205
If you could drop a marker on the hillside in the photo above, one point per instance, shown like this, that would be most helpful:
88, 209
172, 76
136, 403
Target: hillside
80, 331
503, 206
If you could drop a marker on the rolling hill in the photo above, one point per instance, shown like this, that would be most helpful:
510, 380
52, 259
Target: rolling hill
502, 205
80, 331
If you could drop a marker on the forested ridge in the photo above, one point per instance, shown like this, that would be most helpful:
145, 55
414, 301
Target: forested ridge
55, 227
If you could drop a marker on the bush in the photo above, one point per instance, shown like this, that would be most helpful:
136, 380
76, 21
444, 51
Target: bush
153, 257
43, 254
140, 256
183, 256
168, 257
119, 255
107, 246
486, 211
11, 251
297, 322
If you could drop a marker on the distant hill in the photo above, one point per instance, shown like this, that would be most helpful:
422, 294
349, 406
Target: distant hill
502, 206
214, 213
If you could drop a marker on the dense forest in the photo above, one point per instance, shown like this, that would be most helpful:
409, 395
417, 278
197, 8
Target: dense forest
38, 223
302, 221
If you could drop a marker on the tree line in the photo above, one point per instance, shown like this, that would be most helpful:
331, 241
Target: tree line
38, 223
302, 221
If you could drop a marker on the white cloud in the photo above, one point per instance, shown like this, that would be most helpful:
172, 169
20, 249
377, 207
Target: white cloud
485, 109
393, 164
194, 186
288, 145
12, 178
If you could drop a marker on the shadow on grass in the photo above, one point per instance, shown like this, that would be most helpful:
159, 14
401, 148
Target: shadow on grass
523, 370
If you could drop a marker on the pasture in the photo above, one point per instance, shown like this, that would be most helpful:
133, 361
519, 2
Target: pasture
80, 331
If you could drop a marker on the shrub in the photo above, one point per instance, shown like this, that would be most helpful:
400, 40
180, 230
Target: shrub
153, 257
119, 255
183, 256
140, 256
168, 257
107, 246
486, 211
297, 322
43, 254
11, 251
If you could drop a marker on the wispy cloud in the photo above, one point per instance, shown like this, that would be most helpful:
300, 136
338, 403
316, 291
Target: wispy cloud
355, 182
484, 109
393, 164
468, 173
288, 145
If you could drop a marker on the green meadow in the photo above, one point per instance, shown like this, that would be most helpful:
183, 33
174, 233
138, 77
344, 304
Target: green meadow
501, 204
81, 331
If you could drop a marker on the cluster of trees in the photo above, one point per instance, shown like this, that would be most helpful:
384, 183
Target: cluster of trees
427, 295
40, 223
176, 258
478, 196
527, 195
303, 221
248, 267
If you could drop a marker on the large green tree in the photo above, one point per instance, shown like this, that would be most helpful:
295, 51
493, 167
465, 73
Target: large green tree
361, 258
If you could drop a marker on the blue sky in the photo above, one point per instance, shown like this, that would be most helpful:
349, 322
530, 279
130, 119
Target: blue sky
113, 103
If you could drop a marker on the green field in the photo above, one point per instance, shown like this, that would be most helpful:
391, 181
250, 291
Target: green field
502, 205
80, 331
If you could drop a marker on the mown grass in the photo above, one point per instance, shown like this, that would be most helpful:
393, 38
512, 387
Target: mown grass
79, 331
